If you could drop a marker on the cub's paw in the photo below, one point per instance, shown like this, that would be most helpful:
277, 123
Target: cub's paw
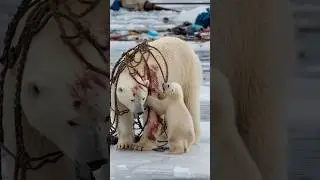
176, 151
124, 145
143, 145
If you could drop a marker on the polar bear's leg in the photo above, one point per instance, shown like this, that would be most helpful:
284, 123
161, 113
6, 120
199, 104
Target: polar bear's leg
177, 146
190, 139
192, 101
125, 131
145, 144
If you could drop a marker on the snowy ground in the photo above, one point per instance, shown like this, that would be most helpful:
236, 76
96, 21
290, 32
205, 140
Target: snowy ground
159, 165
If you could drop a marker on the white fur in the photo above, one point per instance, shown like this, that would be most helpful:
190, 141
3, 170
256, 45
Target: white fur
52, 67
178, 119
183, 67
257, 59
226, 137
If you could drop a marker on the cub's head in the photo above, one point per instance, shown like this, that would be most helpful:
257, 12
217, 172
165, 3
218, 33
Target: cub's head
173, 89
133, 96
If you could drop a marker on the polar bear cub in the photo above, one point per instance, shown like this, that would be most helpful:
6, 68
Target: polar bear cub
180, 129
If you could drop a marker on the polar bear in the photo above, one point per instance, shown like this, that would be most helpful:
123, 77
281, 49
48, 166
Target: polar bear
257, 59
180, 127
183, 67
60, 101
226, 136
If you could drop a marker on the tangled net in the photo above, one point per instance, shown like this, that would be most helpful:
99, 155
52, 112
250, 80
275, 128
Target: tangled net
129, 62
38, 13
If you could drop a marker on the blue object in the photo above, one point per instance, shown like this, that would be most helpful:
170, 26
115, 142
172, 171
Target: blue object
203, 19
192, 29
152, 34
116, 5
196, 27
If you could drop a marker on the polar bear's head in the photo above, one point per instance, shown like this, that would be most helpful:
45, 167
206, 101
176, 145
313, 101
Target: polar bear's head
173, 89
132, 95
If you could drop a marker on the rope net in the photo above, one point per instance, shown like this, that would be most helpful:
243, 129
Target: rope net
129, 62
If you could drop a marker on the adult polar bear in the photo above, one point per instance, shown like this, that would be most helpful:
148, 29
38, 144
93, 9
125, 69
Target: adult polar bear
254, 49
183, 67
57, 115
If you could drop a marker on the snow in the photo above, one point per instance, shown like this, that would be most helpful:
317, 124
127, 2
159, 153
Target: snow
148, 165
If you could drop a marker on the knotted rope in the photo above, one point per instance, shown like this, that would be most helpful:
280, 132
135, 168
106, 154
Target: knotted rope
39, 13
128, 62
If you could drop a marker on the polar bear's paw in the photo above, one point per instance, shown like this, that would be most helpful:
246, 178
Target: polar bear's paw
144, 144
124, 145
178, 147
176, 152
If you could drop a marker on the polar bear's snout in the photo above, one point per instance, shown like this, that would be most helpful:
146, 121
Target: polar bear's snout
138, 110
138, 106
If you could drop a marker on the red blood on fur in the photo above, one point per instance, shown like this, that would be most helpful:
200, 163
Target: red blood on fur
153, 118
85, 82
153, 124
135, 90
154, 67
154, 83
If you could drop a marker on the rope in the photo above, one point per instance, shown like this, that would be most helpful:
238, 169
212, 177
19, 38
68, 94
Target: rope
40, 12
128, 62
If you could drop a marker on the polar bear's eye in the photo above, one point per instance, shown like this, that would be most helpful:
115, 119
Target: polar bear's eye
120, 89
143, 99
34, 89
132, 100
168, 85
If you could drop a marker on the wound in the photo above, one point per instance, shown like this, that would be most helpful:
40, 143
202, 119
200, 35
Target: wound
135, 89
154, 119
90, 78
87, 81
154, 81
154, 67
153, 124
